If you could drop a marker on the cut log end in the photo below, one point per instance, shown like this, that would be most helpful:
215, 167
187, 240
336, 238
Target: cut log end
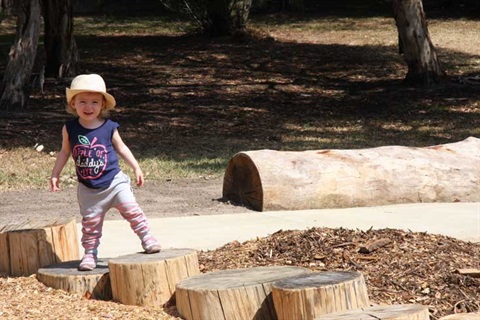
66, 276
242, 184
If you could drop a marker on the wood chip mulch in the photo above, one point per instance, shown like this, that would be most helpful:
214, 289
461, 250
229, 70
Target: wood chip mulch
398, 266
407, 267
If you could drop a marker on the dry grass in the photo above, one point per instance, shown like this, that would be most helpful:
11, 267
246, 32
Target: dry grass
187, 104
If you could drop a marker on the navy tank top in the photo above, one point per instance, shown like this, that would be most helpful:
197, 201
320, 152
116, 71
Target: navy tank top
95, 159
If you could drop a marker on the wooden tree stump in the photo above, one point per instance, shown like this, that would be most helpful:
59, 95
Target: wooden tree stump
231, 294
150, 279
280, 180
24, 251
65, 276
462, 316
393, 312
311, 295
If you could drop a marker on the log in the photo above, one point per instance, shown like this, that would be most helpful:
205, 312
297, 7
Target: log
462, 316
285, 180
393, 312
93, 284
150, 279
24, 251
311, 295
232, 294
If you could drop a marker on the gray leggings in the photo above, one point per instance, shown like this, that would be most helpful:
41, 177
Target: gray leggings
94, 204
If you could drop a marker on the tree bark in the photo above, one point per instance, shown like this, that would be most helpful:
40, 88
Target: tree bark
61, 52
16, 82
226, 17
415, 43
286, 180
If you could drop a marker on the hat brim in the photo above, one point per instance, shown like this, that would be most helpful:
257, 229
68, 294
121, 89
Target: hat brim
110, 102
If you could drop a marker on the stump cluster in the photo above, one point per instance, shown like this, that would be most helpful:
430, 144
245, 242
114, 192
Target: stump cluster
277, 292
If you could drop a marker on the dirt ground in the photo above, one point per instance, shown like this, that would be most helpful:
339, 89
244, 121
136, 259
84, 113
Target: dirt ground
182, 197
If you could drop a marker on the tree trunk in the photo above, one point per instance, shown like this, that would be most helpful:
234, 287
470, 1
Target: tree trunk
226, 17
282, 180
232, 294
16, 82
312, 295
60, 47
415, 43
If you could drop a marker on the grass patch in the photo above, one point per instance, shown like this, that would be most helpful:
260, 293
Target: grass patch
187, 104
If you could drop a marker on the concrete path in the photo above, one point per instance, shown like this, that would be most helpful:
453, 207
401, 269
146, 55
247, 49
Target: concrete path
459, 220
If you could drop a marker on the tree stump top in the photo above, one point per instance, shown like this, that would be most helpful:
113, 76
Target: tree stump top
315, 280
235, 278
33, 225
70, 268
141, 257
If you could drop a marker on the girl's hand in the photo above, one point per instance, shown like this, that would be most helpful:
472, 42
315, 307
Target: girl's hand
54, 184
139, 177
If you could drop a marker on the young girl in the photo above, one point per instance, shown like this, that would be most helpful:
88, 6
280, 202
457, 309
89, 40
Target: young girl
94, 142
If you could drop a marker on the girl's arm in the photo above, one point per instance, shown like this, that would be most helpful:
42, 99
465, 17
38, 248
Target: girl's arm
62, 159
127, 155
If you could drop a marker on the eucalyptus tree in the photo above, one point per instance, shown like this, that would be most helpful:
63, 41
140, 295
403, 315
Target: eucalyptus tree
415, 43
61, 54
14, 88
214, 17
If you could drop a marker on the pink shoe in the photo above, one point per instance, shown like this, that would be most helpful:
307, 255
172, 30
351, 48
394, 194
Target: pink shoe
151, 245
88, 263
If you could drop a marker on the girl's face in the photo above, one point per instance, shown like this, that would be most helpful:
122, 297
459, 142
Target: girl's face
88, 105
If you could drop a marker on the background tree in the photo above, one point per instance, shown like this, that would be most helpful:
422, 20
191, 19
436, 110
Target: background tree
215, 17
415, 42
61, 54
15, 87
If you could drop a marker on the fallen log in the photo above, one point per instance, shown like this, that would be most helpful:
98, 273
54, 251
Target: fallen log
308, 296
231, 294
393, 312
24, 251
93, 284
282, 180
150, 279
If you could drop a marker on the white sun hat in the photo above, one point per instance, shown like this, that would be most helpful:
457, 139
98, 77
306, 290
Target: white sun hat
90, 83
